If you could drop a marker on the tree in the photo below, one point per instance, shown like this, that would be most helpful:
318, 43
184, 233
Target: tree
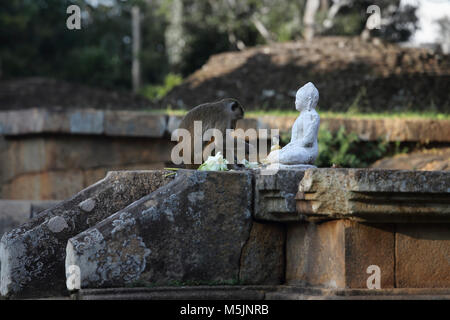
136, 38
309, 19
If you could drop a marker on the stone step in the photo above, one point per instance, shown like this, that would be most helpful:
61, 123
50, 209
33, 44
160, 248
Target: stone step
32, 255
258, 293
177, 293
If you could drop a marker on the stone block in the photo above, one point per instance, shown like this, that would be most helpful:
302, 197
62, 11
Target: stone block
275, 196
422, 256
191, 230
366, 245
44, 185
32, 255
262, 259
135, 124
56, 167
87, 121
315, 254
336, 254
173, 123
371, 195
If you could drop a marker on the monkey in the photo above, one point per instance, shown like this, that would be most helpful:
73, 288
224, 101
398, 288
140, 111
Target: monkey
220, 115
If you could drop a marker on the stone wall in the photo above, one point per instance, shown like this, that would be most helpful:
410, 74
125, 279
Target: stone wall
50, 154
398, 221
57, 166
290, 233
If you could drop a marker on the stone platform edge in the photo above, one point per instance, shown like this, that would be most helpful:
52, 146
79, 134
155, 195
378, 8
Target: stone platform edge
155, 125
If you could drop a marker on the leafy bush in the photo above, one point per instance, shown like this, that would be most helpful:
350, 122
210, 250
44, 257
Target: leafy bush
155, 92
345, 149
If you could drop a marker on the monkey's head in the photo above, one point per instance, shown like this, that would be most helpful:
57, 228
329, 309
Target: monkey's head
234, 108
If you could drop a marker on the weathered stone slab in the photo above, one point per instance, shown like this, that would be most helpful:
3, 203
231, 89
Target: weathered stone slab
32, 121
219, 292
369, 245
25, 121
83, 121
275, 196
375, 195
58, 166
139, 124
190, 230
173, 123
32, 256
422, 256
86, 121
336, 254
315, 254
263, 259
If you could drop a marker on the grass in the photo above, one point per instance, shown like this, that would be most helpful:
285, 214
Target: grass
328, 114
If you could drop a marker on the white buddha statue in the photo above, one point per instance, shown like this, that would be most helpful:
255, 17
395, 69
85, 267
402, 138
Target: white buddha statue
303, 149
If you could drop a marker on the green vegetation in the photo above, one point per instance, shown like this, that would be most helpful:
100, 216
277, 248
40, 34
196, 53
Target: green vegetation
346, 150
381, 115
154, 92
326, 114
178, 36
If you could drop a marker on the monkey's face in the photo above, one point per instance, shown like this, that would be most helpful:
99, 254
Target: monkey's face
235, 109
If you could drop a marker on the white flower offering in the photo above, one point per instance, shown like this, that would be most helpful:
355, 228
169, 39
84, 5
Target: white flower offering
214, 163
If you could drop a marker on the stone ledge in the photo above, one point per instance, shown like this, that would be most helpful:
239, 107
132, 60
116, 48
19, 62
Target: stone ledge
304, 293
177, 293
86, 121
374, 195
146, 124
258, 293
275, 196
391, 129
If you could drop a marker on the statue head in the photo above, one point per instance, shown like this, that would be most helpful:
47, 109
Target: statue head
307, 97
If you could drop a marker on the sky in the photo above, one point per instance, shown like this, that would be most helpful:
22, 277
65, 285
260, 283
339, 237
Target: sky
429, 11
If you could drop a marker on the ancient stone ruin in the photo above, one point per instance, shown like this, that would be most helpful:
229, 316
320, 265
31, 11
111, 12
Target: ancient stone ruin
298, 234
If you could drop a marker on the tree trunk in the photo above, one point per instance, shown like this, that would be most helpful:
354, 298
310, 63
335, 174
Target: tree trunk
136, 34
174, 34
309, 18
